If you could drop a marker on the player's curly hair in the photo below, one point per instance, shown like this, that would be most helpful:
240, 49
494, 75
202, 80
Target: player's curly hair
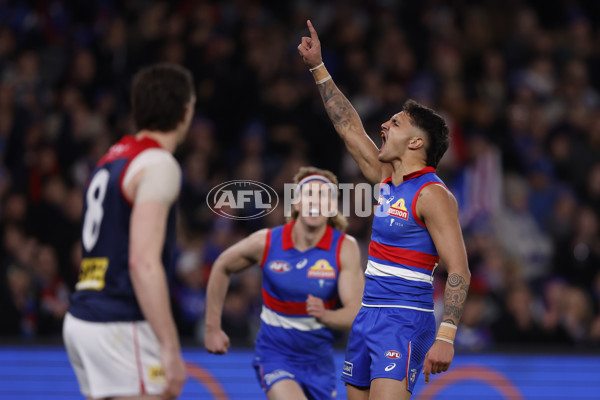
433, 125
338, 221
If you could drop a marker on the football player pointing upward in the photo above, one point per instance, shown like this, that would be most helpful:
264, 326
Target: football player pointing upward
416, 224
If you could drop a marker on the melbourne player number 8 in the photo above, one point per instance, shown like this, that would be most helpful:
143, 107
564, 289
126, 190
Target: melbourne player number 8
94, 213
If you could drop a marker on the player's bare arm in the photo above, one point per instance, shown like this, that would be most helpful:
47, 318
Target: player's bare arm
351, 283
155, 189
344, 117
438, 209
236, 258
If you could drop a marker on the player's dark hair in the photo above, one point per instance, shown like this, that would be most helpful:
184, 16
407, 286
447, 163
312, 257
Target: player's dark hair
433, 125
159, 94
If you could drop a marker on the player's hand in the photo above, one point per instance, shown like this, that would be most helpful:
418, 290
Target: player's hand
310, 48
438, 359
216, 341
175, 375
315, 307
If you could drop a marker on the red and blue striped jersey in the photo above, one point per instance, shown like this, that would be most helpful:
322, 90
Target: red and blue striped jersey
402, 255
104, 292
289, 276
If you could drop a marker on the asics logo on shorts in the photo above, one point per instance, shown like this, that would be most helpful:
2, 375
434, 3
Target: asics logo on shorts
390, 367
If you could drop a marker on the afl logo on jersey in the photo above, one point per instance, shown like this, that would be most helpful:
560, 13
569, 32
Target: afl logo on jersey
398, 209
279, 267
321, 269
393, 354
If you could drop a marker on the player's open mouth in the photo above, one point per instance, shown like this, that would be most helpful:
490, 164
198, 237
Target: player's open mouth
383, 140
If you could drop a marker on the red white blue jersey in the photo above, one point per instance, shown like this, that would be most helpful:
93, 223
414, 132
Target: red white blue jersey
289, 276
104, 292
402, 256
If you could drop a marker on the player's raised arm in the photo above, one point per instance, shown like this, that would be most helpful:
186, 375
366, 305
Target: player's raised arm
351, 284
345, 119
438, 209
238, 257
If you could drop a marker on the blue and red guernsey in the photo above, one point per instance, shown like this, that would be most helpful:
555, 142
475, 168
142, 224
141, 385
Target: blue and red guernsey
402, 256
104, 292
289, 276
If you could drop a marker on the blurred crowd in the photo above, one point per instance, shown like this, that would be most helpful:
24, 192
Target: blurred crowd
517, 81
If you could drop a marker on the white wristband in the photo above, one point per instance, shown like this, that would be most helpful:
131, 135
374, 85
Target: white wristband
445, 340
324, 80
317, 67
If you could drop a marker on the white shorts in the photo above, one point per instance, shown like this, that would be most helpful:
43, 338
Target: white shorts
114, 358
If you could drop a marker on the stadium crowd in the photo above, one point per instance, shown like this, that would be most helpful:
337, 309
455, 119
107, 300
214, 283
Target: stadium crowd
517, 81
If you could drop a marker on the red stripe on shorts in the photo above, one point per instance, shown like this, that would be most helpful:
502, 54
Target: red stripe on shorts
138, 359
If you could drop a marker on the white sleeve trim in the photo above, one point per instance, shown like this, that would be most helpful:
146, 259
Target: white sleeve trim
161, 178
145, 159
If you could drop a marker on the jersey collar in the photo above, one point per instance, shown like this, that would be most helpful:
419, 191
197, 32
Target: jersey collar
128, 147
288, 243
412, 175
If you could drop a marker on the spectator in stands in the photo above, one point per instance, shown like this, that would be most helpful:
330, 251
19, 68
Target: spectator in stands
529, 93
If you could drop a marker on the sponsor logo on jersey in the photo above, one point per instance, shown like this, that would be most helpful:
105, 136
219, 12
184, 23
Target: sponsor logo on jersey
390, 367
393, 354
92, 273
322, 270
398, 209
277, 374
301, 264
279, 267
347, 370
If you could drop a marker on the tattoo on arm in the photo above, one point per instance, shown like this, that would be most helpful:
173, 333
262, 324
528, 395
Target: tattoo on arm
455, 295
338, 107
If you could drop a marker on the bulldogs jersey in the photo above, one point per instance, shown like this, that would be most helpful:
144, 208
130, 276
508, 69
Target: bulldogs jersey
104, 292
402, 256
289, 276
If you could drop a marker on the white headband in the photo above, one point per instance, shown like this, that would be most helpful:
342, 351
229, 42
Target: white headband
315, 177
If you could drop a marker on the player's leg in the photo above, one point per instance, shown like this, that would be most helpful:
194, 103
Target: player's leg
357, 393
389, 389
286, 389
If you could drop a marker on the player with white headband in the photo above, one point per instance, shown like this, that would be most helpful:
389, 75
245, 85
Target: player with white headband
311, 277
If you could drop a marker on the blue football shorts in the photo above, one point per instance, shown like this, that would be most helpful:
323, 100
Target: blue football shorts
317, 379
388, 343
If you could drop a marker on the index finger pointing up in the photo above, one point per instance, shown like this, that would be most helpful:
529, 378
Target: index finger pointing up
311, 29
